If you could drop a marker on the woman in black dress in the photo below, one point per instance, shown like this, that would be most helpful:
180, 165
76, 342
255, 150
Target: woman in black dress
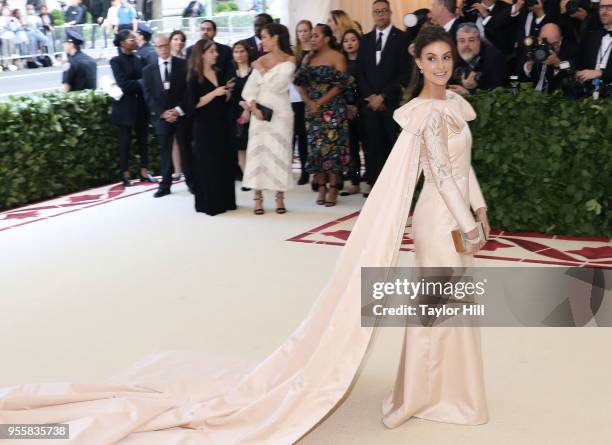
207, 102
130, 112
350, 48
239, 113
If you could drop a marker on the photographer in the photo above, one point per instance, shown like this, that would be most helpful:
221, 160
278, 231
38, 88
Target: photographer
481, 65
543, 61
492, 18
595, 62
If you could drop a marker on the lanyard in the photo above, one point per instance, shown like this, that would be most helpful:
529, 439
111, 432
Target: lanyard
603, 52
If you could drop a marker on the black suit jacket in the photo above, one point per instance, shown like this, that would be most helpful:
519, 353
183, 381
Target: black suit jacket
131, 109
567, 52
253, 49
589, 51
492, 66
158, 99
498, 29
225, 61
392, 74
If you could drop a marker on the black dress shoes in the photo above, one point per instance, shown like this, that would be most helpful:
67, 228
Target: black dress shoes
148, 178
126, 182
161, 192
303, 178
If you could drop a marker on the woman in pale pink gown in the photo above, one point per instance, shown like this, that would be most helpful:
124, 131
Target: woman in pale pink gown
172, 398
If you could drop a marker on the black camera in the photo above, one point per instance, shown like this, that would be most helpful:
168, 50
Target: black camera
537, 51
464, 70
531, 3
572, 6
569, 85
469, 12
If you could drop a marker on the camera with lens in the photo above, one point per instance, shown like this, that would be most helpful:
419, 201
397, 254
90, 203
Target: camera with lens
469, 12
537, 51
464, 70
572, 6
570, 86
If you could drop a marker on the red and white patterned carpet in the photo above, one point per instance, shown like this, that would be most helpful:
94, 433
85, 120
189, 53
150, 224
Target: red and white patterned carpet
532, 248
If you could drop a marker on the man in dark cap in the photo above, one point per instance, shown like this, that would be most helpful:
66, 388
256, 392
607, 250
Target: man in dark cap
146, 51
80, 73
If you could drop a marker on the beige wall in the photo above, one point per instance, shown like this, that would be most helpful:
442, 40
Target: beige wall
361, 10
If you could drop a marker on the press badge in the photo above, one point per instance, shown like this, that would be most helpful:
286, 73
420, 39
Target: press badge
166, 85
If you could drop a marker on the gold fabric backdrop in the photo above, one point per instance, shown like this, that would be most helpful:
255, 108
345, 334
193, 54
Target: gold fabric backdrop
361, 10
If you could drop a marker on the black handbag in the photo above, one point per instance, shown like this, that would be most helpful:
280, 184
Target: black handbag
267, 112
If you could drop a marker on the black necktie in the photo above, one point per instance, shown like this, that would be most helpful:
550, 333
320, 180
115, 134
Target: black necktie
379, 42
166, 73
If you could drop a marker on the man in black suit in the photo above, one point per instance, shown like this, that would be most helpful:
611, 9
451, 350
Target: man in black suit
225, 61
444, 14
494, 23
164, 84
596, 58
254, 42
548, 76
481, 66
383, 65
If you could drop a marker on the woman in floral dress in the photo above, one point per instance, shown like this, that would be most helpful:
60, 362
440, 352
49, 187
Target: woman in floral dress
323, 82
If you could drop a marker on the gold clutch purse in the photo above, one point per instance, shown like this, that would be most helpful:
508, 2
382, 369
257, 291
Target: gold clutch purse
461, 240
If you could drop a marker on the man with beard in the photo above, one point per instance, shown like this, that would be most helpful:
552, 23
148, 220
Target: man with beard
481, 65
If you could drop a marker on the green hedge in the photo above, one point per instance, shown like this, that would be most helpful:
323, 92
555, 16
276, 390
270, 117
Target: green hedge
58, 143
544, 162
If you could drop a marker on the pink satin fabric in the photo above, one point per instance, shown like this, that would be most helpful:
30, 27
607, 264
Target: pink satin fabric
188, 398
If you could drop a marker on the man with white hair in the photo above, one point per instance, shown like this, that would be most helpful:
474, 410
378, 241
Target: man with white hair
481, 65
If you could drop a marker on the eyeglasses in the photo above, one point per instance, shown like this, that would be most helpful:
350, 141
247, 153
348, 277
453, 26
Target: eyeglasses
380, 11
605, 8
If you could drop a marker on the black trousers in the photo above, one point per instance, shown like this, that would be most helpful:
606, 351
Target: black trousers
166, 133
165, 138
299, 131
125, 139
381, 132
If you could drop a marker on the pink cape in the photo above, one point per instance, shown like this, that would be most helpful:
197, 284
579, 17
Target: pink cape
180, 397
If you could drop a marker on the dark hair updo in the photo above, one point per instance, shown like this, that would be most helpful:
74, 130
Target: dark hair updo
276, 29
327, 32
427, 36
121, 36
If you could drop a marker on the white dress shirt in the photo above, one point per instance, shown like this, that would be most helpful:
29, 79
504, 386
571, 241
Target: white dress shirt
482, 22
447, 27
162, 69
603, 55
385, 37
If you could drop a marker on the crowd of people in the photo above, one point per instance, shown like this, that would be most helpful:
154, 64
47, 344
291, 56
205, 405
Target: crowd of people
30, 40
237, 113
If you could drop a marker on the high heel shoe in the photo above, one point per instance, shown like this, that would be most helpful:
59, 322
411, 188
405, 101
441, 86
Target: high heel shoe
258, 198
329, 202
321, 197
280, 208
303, 178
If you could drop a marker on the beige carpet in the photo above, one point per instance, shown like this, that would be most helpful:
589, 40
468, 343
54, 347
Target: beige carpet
88, 293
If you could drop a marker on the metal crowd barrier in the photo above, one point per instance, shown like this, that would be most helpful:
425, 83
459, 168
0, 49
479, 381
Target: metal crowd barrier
230, 28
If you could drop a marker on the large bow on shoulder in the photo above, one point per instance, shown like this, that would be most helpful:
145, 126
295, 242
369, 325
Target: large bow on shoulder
413, 115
